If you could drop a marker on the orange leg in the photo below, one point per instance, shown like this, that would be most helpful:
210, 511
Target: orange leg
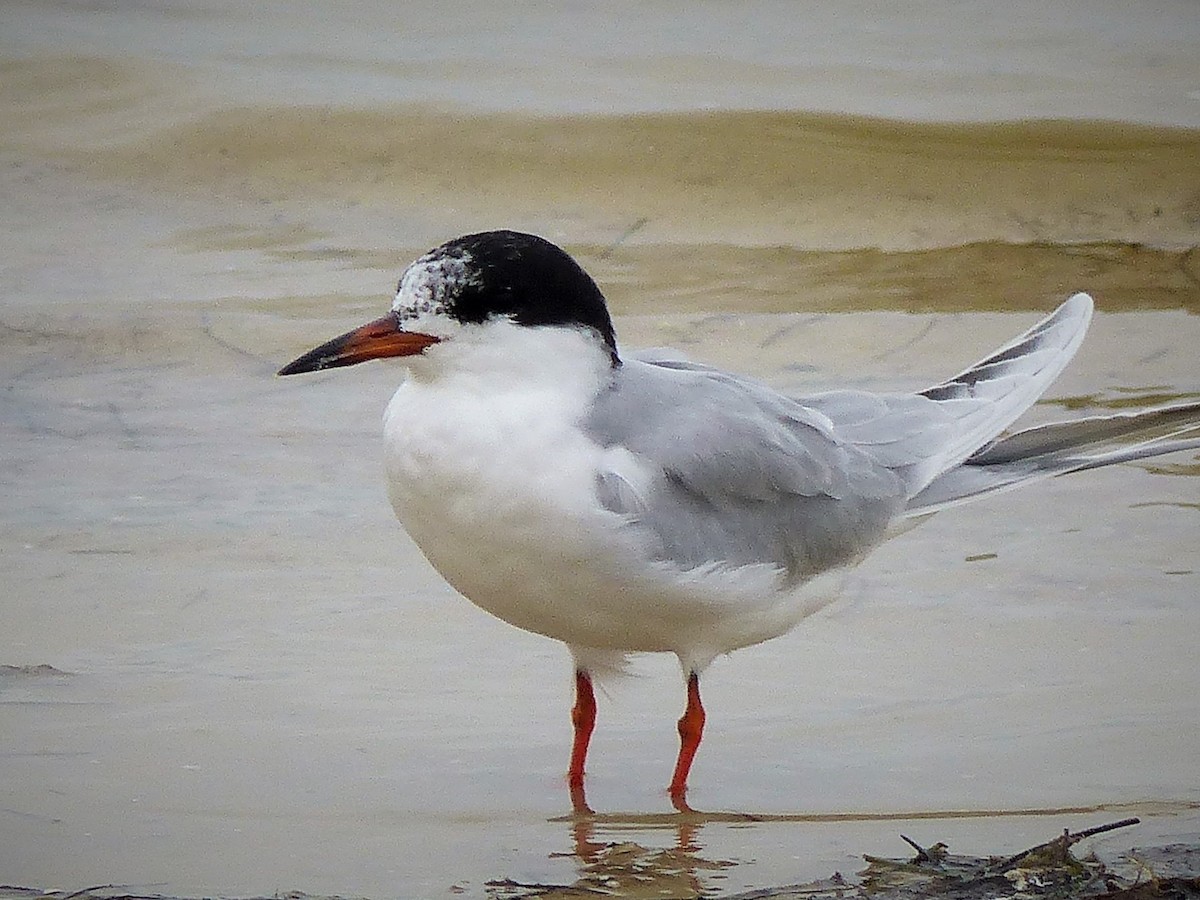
583, 717
691, 729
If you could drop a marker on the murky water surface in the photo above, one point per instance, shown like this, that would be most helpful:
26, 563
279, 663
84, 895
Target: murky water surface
258, 684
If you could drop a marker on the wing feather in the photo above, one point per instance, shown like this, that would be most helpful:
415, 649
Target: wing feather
716, 468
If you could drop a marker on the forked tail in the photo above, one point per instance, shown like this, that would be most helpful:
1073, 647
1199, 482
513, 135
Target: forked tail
1059, 448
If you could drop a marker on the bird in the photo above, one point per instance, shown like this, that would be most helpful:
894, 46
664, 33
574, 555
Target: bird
637, 502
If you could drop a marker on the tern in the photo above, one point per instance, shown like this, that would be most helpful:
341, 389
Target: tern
636, 502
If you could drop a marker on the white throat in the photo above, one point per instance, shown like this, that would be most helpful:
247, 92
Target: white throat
499, 357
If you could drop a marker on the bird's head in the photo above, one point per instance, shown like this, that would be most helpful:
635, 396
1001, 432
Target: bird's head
466, 283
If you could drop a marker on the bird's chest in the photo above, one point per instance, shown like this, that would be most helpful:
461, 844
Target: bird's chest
497, 491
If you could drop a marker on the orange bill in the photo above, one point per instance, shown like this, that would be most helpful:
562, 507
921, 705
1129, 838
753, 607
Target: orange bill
375, 340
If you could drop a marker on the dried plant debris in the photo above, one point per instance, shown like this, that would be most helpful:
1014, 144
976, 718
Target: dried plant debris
1047, 870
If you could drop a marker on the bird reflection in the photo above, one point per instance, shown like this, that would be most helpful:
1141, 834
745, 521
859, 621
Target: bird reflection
625, 868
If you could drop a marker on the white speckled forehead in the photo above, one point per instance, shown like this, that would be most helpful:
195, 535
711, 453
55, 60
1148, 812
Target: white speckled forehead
428, 286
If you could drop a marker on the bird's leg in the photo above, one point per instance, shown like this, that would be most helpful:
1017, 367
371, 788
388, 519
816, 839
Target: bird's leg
583, 718
691, 729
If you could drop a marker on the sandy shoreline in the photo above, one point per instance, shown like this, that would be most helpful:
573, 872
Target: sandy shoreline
758, 179
791, 179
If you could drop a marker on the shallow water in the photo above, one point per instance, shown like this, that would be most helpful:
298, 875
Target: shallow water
258, 683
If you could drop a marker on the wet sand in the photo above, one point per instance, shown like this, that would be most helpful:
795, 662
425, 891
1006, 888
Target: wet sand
744, 178
257, 683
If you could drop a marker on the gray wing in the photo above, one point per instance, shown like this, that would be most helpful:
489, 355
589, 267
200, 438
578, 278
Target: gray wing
990, 395
925, 435
718, 468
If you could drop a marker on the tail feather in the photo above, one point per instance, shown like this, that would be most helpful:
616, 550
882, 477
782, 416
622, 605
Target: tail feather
1147, 425
990, 395
1060, 448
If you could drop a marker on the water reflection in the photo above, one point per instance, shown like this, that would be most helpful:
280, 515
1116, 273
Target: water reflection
627, 868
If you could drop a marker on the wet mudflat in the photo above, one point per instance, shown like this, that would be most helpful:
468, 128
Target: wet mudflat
225, 670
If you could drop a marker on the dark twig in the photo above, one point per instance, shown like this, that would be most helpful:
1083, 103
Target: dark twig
1062, 842
934, 854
